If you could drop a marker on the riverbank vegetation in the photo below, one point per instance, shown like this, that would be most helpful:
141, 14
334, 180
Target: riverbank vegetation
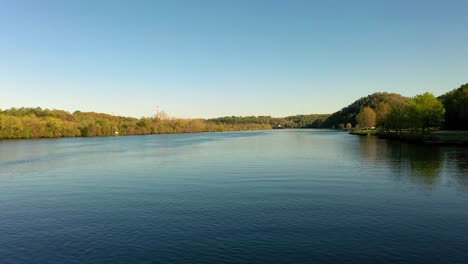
387, 114
17, 123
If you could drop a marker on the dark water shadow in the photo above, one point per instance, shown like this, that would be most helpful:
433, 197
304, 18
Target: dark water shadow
458, 160
420, 164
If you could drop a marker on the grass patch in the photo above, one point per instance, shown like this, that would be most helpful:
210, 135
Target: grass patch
364, 132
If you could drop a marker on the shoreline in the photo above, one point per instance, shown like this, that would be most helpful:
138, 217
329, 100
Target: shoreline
130, 135
441, 137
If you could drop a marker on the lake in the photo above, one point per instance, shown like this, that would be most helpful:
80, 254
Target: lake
282, 196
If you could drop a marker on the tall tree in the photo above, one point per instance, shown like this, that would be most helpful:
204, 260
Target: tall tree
366, 118
398, 117
381, 110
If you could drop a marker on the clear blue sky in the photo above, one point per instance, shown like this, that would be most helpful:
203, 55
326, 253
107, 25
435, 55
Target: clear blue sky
216, 58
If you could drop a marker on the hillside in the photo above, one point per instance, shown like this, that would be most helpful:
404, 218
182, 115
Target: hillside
348, 114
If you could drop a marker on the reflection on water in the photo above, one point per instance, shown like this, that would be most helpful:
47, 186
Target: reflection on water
459, 159
424, 161
423, 164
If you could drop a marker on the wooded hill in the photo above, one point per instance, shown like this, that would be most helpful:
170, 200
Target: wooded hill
396, 111
380, 102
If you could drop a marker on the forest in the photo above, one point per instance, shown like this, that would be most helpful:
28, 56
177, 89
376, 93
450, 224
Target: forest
385, 111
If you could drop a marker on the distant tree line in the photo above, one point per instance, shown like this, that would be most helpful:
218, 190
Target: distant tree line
297, 121
307, 121
16, 123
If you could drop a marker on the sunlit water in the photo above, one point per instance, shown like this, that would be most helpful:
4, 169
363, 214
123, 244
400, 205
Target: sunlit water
286, 196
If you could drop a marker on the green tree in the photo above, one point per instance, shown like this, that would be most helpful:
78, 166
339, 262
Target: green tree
398, 117
426, 111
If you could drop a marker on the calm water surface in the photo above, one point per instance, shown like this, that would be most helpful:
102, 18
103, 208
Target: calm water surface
289, 196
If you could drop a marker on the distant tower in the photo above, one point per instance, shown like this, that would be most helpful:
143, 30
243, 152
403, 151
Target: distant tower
157, 112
